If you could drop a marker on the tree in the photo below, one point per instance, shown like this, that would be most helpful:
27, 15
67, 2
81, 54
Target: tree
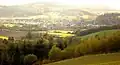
11, 39
5, 60
60, 43
69, 52
11, 51
3, 55
41, 51
30, 59
54, 53
16, 56
5, 41
29, 35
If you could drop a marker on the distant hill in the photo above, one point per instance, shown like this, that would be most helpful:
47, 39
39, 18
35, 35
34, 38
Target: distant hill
101, 34
94, 30
108, 19
16, 11
39, 9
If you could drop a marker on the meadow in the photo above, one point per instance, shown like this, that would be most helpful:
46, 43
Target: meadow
61, 33
98, 59
3, 37
100, 34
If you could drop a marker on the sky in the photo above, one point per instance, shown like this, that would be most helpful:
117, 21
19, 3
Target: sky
114, 4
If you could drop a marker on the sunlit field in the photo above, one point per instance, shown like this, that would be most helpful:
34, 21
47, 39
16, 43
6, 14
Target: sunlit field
61, 33
9, 25
3, 37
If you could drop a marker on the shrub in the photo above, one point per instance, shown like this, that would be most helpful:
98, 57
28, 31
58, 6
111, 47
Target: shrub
30, 59
69, 52
55, 53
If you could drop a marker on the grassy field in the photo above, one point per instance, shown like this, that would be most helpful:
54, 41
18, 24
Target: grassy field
3, 37
19, 34
101, 34
100, 59
60, 33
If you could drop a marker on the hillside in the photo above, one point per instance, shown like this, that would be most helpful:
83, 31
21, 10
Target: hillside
53, 49
100, 34
93, 30
15, 11
108, 19
91, 49
99, 59
39, 9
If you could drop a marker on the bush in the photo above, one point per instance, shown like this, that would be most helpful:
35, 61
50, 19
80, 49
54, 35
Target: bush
55, 53
30, 59
69, 52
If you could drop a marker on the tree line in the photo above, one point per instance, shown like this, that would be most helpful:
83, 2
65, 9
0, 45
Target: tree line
93, 30
49, 49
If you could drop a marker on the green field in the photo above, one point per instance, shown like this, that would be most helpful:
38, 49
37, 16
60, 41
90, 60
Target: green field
3, 37
60, 33
100, 34
100, 59
63, 33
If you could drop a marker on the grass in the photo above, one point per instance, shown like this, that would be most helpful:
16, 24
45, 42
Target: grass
3, 37
66, 34
100, 34
108, 63
62, 31
99, 59
61, 34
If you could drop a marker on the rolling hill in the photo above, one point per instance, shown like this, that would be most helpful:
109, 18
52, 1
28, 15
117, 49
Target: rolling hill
108, 19
99, 59
111, 58
38, 9
93, 30
100, 34
13, 11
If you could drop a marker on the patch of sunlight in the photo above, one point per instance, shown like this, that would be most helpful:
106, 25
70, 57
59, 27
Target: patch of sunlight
85, 16
3, 37
61, 34
9, 25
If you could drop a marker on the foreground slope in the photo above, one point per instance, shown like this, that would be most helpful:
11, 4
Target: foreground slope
99, 59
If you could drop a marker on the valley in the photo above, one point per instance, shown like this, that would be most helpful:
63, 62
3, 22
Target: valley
49, 33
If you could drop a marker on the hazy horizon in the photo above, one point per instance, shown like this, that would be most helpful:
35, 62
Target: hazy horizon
113, 4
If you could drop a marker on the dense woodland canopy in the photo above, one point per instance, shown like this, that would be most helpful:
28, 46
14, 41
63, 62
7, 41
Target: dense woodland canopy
48, 48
